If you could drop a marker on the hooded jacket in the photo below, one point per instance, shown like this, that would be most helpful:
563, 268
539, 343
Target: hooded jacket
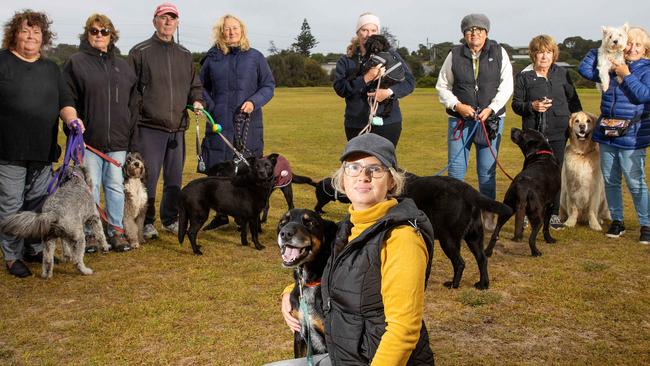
101, 84
349, 84
166, 84
557, 86
229, 80
628, 100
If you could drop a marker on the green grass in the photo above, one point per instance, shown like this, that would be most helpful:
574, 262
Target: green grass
585, 301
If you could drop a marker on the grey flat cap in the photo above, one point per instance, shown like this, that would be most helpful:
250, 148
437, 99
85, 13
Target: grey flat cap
374, 145
475, 20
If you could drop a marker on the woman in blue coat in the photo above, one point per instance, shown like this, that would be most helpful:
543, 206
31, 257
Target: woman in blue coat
628, 98
236, 78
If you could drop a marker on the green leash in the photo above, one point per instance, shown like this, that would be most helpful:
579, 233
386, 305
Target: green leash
305, 323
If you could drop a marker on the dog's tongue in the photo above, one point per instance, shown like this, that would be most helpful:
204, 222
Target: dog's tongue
290, 254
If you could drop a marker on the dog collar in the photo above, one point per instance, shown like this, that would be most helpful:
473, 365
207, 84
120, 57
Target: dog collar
313, 284
543, 152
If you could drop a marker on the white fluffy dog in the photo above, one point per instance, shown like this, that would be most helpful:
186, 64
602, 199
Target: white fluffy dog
611, 50
582, 197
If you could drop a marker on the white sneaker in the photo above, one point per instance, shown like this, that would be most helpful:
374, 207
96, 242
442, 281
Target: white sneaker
172, 228
555, 223
149, 232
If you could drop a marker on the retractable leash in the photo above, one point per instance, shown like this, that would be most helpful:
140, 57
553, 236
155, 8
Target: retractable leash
216, 128
74, 150
457, 134
305, 317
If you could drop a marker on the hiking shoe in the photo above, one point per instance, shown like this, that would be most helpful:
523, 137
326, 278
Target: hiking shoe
18, 269
645, 235
616, 229
172, 228
149, 232
119, 243
556, 223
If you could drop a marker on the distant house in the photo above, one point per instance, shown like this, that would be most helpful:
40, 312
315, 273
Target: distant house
328, 67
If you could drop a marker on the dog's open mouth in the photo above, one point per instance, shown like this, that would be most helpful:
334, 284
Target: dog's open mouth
582, 135
292, 255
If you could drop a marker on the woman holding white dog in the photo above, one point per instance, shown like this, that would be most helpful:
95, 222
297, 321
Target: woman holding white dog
623, 130
544, 96
373, 284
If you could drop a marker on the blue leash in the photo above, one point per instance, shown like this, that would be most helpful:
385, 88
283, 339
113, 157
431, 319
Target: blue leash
469, 141
74, 151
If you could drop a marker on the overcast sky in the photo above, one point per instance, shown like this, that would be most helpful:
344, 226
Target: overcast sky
333, 22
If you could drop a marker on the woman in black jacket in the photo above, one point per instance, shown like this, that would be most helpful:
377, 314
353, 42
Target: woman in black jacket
544, 97
100, 83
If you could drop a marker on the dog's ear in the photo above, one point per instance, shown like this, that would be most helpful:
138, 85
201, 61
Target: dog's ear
604, 29
626, 27
273, 158
592, 117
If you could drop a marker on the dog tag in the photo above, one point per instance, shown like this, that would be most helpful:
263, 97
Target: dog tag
377, 121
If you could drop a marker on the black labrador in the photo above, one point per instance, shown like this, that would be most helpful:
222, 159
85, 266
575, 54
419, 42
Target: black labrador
533, 190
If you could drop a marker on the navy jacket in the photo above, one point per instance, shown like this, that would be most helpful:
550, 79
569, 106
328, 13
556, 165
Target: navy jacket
557, 86
628, 100
349, 84
101, 84
229, 81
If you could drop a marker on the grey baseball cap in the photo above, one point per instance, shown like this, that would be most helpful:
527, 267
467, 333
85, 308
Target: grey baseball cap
374, 145
475, 20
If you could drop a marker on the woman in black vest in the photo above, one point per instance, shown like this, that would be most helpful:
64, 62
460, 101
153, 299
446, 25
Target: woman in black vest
544, 96
373, 285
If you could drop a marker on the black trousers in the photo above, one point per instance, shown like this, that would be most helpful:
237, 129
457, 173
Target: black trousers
558, 152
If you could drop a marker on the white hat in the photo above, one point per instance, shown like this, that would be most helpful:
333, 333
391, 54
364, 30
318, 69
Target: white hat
368, 18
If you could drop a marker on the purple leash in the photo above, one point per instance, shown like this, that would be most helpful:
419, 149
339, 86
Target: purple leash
74, 151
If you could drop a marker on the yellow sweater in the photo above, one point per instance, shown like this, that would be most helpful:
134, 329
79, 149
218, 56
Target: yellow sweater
404, 259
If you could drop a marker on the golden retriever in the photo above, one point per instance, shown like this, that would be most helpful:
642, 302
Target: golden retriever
582, 198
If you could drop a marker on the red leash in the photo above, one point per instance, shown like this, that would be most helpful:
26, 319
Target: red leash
492, 152
103, 156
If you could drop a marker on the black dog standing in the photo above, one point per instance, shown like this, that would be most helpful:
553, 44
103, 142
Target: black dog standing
533, 190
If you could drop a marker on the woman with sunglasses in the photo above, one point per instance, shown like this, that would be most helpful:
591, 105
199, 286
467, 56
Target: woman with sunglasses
373, 284
100, 83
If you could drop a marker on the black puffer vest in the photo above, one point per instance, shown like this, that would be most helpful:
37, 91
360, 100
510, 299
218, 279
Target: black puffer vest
469, 90
351, 289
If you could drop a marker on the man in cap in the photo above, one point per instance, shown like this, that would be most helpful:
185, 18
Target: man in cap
166, 83
474, 84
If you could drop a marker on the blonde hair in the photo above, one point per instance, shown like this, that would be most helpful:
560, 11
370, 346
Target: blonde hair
639, 34
103, 21
397, 176
543, 43
220, 40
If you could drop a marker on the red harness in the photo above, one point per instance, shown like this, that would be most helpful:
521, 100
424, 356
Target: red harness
542, 152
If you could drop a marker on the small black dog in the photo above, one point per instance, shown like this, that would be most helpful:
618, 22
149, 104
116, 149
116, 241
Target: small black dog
325, 192
242, 197
305, 241
454, 209
377, 53
533, 190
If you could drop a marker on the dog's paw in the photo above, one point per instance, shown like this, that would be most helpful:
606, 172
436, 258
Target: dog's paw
135, 245
570, 222
85, 271
259, 246
481, 286
536, 253
517, 239
448, 284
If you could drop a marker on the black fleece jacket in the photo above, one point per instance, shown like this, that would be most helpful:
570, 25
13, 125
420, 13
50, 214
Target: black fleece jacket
101, 83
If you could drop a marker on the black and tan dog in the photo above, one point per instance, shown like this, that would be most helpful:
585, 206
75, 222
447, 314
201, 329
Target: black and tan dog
242, 197
305, 242
454, 209
533, 190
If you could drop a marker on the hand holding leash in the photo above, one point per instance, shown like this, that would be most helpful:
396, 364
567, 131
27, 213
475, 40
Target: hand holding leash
247, 107
197, 107
484, 114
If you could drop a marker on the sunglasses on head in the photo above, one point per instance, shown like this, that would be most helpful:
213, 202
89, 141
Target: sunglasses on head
104, 31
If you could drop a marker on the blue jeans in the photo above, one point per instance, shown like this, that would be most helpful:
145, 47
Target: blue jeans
110, 177
615, 162
23, 187
485, 163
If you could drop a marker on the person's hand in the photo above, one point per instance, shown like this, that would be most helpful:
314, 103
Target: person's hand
292, 322
483, 116
79, 122
247, 107
381, 94
373, 73
541, 105
621, 70
466, 111
198, 107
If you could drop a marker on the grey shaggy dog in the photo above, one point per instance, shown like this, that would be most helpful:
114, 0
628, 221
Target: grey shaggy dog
63, 217
135, 199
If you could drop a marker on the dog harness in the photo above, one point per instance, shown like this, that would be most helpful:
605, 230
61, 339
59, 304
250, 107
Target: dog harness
282, 172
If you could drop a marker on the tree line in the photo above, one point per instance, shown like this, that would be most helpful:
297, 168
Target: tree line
296, 66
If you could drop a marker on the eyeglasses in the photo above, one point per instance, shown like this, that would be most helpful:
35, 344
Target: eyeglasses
104, 31
373, 170
476, 30
167, 17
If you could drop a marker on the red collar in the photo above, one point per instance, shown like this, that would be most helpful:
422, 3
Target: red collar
313, 284
542, 152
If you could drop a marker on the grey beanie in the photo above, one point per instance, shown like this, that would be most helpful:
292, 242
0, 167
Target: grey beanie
475, 20
374, 145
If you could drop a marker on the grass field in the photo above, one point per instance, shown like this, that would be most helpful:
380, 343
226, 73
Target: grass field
585, 301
